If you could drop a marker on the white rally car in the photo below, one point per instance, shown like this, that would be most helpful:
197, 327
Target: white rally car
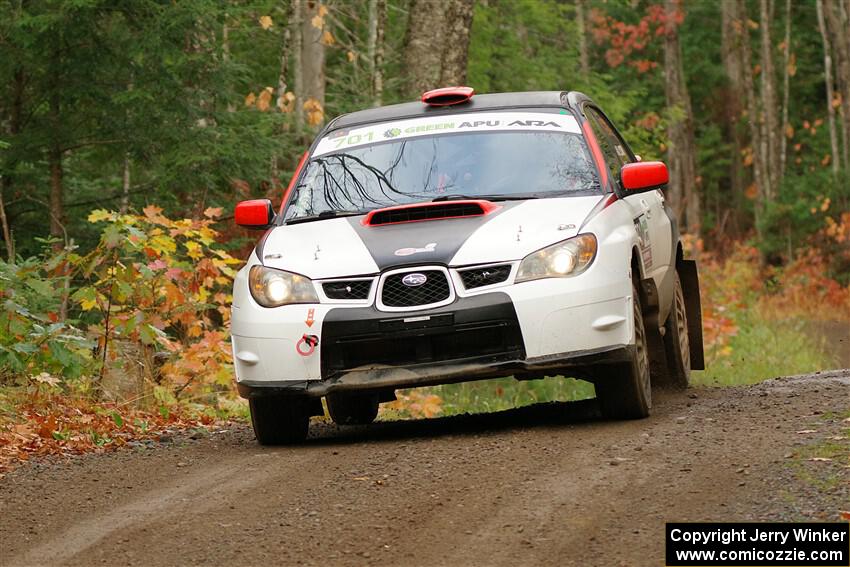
461, 238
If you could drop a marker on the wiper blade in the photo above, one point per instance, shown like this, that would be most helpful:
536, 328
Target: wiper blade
325, 215
484, 197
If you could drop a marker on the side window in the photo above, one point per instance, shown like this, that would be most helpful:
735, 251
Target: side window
615, 151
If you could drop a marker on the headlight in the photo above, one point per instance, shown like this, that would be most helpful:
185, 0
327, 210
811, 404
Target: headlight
273, 288
567, 258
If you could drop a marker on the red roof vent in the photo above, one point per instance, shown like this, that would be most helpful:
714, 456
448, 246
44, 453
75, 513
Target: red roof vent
448, 96
418, 212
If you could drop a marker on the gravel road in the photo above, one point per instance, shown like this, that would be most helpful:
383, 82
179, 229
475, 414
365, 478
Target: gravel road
544, 485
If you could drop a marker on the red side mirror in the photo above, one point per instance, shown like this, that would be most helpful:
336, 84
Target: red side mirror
644, 175
257, 213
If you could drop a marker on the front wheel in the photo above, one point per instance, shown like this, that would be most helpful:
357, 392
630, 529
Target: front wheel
279, 421
353, 409
623, 390
676, 341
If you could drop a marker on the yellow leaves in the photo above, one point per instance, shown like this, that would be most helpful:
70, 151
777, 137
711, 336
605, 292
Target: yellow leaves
747, 154
836, 100
265, 22
825, 161
351, 56
163, 244
264, 100
754, 25
328, 38
99, 215
88, 304
825, 205
250, 99
193, 249
789, 131
314, 112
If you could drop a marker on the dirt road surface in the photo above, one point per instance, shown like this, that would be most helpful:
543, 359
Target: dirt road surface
544, 485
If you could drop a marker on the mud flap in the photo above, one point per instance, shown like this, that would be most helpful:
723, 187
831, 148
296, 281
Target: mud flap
690, 288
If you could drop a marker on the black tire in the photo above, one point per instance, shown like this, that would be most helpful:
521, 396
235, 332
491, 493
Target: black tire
676, 341
279, 421
624, 390
353, 409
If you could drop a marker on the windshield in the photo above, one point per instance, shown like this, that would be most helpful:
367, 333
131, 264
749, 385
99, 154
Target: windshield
480, 164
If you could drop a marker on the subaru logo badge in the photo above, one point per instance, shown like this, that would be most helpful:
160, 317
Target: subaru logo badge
414, 280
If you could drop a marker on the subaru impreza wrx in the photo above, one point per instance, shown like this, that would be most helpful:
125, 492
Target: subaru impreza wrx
460, 238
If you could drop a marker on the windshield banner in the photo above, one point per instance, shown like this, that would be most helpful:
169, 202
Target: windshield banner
452, 124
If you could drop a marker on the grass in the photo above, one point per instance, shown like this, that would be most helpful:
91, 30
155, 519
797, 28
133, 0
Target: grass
765, 349
506, 393
761, 350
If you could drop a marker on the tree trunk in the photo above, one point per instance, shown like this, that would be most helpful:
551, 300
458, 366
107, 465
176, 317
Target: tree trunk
830, 110
125, 184
19, 81
770, 122
681, 150
786, 87
758, 147
423, 50
731, 53
313, 61
581, 25
297, 67
838, 25
456, 43
57, 188
375, 48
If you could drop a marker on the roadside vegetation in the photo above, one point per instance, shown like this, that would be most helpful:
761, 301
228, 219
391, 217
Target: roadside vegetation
127, 133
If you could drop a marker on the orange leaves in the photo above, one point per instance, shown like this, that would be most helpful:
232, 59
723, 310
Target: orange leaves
265, 99
315, 113
415, 403
64, 426
265, 22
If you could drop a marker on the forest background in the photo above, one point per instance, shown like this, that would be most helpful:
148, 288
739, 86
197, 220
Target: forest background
128, 130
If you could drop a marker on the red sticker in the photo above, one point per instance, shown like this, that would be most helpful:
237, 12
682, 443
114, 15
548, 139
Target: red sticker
310, 317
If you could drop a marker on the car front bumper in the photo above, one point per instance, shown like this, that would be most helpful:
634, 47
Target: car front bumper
532, 329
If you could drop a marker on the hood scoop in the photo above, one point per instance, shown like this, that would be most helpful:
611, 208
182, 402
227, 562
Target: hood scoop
419, 212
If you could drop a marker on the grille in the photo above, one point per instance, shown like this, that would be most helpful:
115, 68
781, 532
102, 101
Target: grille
354, 289
429, 212
434, 290
479, 277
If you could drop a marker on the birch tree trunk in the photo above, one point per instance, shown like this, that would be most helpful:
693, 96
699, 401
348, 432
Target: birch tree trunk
581, 25
422, 57
375, 48
758, 147
681, 150
313, 60
437, 45
770, 123
786, 80
456, 46
731, 53
838, 24
830, 110
297, 68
